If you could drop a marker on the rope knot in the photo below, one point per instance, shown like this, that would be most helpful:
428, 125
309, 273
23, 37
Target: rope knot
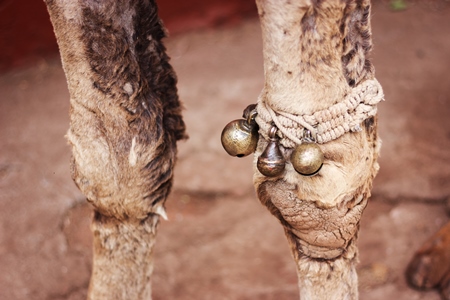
327, 124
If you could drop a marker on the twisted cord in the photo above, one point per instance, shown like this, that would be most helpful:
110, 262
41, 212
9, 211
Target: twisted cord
325, 125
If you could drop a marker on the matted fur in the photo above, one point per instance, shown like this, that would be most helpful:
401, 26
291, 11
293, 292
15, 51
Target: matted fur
314, 53
125, 119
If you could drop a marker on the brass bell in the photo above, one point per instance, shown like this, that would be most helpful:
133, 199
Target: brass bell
307, 158
240, 137
271, 162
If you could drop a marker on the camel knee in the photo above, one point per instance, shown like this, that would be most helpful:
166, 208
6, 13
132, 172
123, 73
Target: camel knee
123, 180
313, 230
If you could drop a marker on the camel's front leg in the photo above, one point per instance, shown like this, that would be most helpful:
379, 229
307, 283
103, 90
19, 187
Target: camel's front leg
315, 60
321, 214
124, 122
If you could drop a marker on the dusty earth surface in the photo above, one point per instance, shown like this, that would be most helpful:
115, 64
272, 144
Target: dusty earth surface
220, 243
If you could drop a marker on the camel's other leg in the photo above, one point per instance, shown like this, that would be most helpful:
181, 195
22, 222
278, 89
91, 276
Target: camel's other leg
430, 266
315, 55
125, 119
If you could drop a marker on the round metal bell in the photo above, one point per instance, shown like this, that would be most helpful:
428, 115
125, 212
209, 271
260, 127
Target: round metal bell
240, 137
271, 162
307, 158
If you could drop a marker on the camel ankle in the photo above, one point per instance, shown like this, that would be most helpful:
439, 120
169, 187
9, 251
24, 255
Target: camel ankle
123, 258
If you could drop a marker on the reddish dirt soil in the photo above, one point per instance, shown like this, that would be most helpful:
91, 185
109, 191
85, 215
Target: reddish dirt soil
220, 243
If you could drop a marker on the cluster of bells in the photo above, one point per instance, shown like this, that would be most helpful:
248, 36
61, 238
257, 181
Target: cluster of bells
240, 138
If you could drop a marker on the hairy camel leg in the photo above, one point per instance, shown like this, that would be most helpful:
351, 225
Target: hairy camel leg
430, 266
314, 53
125, 119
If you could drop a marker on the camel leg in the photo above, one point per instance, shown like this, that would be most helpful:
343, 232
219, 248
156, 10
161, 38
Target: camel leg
315, 53
125, 119
430, 266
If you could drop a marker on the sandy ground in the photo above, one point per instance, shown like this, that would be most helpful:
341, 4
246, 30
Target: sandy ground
220, 243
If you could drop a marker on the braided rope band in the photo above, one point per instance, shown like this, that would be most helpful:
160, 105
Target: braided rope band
325, 125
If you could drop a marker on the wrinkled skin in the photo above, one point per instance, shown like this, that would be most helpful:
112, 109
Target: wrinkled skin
321, 214
319, 233
315, 52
